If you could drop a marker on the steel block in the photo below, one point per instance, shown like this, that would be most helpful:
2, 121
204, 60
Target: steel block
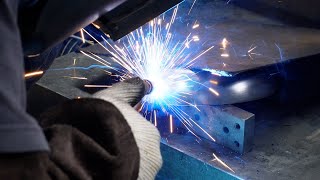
228, 125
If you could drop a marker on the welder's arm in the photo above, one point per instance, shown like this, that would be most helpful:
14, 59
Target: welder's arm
18, 131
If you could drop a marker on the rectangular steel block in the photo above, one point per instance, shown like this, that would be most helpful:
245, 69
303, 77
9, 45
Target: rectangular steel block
228, 125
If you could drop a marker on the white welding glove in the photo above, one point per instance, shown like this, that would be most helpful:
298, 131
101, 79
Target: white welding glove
146, 135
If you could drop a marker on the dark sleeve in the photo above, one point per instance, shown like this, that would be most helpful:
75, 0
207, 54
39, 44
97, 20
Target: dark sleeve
90, 139
19, 132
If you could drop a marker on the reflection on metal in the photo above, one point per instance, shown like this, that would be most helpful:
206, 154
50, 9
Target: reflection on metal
183, 158
231, 90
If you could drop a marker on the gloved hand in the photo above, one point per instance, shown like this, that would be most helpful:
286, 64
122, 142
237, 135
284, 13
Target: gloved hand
147, 137
29, 166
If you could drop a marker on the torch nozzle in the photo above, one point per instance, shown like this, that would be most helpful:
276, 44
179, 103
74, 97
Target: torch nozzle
148, 86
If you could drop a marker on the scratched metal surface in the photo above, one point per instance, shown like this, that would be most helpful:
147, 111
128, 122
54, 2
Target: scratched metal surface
273, 41
269, 40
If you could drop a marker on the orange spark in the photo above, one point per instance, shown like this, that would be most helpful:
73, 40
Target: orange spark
82, 36
221, 162
224, 43
195, 26
249, 51
95, 25
214, 91
201, 54
36, 73
195, 38
224, 55
214, 82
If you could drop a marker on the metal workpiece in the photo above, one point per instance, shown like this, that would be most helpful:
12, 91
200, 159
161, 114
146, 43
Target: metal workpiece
286, 142
185, 158
236, 89
228, 125
253, 40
